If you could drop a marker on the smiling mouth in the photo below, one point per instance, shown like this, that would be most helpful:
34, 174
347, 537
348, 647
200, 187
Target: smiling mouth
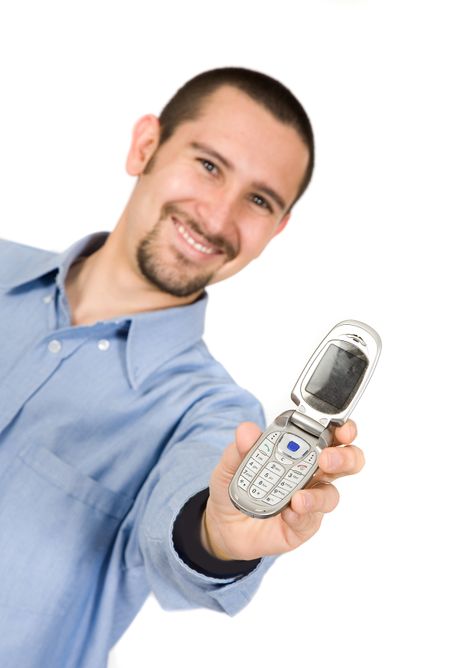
194, 241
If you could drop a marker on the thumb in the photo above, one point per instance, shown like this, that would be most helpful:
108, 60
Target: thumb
247, 434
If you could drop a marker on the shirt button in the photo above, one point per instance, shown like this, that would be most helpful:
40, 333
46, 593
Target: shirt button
47, 299
54, 346
103, 344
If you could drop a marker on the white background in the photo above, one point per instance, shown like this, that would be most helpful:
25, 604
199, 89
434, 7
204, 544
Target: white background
368, 241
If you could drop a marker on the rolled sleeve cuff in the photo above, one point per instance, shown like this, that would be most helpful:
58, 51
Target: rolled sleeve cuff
187, 542
178, 584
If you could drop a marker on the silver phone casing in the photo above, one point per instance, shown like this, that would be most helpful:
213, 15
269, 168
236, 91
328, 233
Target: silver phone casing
281, 424
311, 425
357, 334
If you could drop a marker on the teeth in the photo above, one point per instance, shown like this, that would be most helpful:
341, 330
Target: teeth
184, 233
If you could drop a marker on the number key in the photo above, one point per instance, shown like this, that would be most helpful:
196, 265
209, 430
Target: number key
253, 465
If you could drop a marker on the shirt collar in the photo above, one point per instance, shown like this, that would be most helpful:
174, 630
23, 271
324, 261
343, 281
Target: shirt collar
153, 338
35, 263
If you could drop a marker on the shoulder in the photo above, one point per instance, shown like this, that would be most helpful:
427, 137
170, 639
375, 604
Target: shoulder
17, 249
217, 393
17, 259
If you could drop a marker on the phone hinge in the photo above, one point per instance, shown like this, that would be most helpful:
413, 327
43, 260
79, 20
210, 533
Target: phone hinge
308, 424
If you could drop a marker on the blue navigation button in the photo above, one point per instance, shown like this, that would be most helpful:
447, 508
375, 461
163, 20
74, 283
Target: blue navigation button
293, 446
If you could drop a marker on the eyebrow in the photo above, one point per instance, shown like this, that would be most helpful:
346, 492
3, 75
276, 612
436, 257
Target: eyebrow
198, 146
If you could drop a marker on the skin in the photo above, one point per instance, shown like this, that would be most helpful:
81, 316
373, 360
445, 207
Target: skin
229, 534
226, 179
184, 185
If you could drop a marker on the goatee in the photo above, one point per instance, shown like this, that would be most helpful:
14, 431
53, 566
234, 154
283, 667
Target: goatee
178, 280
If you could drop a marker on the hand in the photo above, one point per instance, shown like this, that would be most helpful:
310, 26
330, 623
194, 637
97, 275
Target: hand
229, 534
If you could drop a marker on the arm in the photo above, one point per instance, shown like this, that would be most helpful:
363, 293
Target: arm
183, 471
197, 457
189, 542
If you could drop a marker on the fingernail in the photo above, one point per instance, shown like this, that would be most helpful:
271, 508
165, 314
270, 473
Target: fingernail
334, 460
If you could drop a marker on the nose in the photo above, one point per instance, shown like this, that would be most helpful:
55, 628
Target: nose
217, 212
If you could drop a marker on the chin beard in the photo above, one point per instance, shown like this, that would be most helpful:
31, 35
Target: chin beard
176, 282
182, 278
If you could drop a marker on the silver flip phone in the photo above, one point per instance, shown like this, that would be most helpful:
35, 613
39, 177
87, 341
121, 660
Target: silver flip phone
285, 457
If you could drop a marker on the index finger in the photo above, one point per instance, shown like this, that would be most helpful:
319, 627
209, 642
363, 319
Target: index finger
345, 433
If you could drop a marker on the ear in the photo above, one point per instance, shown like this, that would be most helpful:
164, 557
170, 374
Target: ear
144, 143
282, 224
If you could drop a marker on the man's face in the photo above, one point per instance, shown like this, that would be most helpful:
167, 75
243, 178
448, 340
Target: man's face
214, 194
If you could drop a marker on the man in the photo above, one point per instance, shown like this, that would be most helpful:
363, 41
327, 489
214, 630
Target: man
115, 419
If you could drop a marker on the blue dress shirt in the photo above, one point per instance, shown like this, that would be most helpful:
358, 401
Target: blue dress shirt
106, 432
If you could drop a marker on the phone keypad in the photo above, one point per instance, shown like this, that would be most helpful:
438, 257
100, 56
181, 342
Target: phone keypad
311, 458
270, 476
260, 457
280, 492
275, 468
253, 465
266, 447
272, 499
248, 474
263, 484
286, 484
243, 482
282, 458
304, 466
294, 477
257, 492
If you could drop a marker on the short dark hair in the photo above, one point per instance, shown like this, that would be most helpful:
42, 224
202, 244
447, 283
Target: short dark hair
186, 105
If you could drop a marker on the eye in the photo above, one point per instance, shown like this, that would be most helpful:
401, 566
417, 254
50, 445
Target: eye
208, 165
261, 202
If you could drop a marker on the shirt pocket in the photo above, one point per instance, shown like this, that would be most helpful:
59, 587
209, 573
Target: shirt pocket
57, 528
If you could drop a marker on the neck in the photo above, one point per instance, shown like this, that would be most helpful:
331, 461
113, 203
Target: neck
103, 286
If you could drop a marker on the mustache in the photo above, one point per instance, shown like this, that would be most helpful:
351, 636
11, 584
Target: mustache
216, 240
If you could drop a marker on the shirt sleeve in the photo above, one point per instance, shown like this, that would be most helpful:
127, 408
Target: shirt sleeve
187, 542
179, 580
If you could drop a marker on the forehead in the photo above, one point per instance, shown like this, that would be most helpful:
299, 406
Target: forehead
250, 137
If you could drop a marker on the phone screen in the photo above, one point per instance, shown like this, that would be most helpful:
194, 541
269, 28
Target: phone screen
337, 376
